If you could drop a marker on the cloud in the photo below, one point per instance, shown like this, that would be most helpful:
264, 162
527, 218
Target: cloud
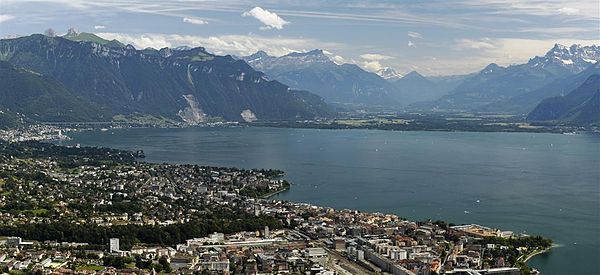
568, 11
469, 55
308, 9
558, 31
411, 44
587, 9
5, 17
99, 27
337, 59
415, 35
484, 43
375, 57
372, 66
372, 61
222, 44
194, 21
270, 19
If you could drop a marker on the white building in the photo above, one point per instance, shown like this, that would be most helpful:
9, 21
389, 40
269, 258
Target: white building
114, 245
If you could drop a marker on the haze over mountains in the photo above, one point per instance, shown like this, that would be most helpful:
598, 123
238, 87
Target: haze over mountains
495, 84
581, 106
418, 88
314, 71
513, 89
83, 77
524, 103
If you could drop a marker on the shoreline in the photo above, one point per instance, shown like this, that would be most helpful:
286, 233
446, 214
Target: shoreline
524, 262
539, 252
424, 129
550, 129
264, 197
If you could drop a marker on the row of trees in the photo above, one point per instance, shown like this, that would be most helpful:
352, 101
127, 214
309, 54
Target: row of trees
526, 241
163, 264
133, 234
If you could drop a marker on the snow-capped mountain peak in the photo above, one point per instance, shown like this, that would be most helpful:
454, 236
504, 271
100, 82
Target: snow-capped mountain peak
388, 73
574, 51
574, 58
257, 57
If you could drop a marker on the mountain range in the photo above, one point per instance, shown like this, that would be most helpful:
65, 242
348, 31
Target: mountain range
184, 84
83, 77
524, 103
515, 89
346, 84
349, 84
580, 107
74, 35
489, 88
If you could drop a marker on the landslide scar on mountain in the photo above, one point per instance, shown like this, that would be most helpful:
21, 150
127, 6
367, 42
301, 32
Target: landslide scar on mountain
193, 113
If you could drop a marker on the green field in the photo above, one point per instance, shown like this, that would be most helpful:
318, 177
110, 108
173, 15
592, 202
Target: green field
89, 268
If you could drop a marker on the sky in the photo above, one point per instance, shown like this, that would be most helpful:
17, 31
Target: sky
432, 37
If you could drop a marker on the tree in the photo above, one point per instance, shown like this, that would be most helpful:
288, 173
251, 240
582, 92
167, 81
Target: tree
164, 262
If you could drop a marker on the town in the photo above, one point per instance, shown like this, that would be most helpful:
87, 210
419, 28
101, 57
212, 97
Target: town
98, 210
38, 132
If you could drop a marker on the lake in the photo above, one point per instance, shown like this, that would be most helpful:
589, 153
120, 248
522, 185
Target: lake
543, 184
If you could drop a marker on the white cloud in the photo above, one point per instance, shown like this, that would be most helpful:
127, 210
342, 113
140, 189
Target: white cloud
99, 27
375, 57
337, 59
484, 43
270, 19
5, 17
222, 44
371, 61
552, 32
194, 21
415, 35
568, 11
410, 43
586, 9
372, 66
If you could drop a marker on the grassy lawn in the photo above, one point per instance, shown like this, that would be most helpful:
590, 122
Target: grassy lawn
37, 212
89, 267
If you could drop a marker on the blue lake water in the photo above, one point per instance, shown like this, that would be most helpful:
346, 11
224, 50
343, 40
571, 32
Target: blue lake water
544, 184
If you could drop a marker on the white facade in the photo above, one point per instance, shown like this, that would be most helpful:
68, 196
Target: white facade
114, 245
